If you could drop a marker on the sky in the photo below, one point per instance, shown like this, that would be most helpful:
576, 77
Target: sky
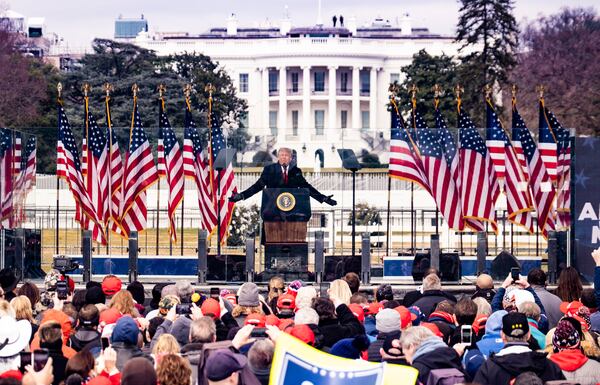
79, 22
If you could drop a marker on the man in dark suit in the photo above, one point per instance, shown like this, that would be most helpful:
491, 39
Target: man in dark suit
282, 174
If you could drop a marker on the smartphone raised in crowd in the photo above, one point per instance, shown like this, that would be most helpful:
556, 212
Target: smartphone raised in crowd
40, 358
259, 333
105, 342
515, 273
62, 290
466, 332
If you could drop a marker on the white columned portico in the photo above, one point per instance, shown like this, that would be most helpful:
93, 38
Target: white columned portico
265, 102
356, 123
282, 114
332, 101
373, 99
306, 122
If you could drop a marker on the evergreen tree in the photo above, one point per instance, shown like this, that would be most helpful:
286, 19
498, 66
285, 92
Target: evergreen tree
488, 33
425, 71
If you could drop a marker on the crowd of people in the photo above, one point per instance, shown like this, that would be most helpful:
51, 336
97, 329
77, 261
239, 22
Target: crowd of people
111, 334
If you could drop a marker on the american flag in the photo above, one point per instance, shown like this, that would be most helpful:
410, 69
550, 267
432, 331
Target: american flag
228, 184
563, 171
6, 177
160, 155
173, 161
97, 178
139, 174
404, 161
438, 172
115, 176
479, 187
195, 165
495, 140
24, 180
539, 181
515, 187
68, 166
547, 143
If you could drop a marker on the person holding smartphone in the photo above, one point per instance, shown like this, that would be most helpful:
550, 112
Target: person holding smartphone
51, 339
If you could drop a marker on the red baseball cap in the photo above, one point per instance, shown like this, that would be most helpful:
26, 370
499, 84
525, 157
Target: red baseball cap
255, 319
111, 285
272, 319
406, 316
211, 306
286, 301
110, 316
374, 308
358, 311
304, 333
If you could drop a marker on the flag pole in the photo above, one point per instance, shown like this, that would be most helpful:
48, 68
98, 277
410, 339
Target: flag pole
187, 90
393, 89
437, 91
458, 90
59, 88
161, 91
107, 88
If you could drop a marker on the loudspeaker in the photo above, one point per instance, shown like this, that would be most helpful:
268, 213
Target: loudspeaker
365, 258
249, 259
502, 264
230, 268
449, 266
286, 257
336, 266
86, 251
319, 255
133, 256
202, 255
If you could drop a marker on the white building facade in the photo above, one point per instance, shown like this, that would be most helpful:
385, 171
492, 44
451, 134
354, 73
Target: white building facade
312, 89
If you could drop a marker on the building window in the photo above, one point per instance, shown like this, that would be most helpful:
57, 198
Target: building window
365, 117
344, 82
365, 82
344, 119
244, 119
295, 122
243, 82
394, 77
273, 81
294, 82
319, 81
273, 122
319, 121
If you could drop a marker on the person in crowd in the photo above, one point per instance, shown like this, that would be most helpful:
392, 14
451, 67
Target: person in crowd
138, 371
351, 348
32, 292
166, 344
432, 295
222, 318
81, 364
465, 312
353, 281
124, 340
23, 311
484, 288
443, 318
124, 303
16, 335
489, 344
387, 324
173, 370
86, 333
427, 352
111, 285
78, 299
248, 303
537, 279
202, 331
568, 354
384, 293
50, 334
516, 357
335, 322
56, 315
260, 357
305, 296
95, 296
412, 296
483, 306
569, 285
276, 287
8, 282
340, 290
136, 289
528, 378
532, 312
310, 318
224, 367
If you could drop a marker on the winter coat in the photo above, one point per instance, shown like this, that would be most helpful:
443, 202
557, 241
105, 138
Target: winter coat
373, 353
514, 359
430, 299
434, 354
85, 338
577, 367
346, 325
192, 353
551, 304
224, 325
125, 352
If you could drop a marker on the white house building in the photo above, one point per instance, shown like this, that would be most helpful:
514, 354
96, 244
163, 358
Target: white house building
313, 89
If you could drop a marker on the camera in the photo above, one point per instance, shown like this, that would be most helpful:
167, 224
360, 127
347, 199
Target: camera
62, 289
64, 264
184, 309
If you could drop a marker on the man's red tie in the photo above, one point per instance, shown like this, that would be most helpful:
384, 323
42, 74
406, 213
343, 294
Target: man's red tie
285, 176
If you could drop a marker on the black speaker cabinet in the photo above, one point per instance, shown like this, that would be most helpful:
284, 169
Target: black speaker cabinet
449, 266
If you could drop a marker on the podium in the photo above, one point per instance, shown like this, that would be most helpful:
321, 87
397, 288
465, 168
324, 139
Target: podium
285, 213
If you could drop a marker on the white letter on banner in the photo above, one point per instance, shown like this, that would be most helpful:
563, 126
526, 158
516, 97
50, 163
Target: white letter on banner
587, 212
595, 234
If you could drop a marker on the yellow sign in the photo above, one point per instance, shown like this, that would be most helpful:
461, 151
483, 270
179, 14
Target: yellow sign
286, 201
296, 363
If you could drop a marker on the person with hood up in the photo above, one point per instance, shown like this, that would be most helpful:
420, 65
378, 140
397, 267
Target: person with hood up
516, 357
426, 352
124, 340
490, 343
569, 356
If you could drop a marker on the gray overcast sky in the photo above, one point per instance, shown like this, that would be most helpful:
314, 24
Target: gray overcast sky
78, 22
